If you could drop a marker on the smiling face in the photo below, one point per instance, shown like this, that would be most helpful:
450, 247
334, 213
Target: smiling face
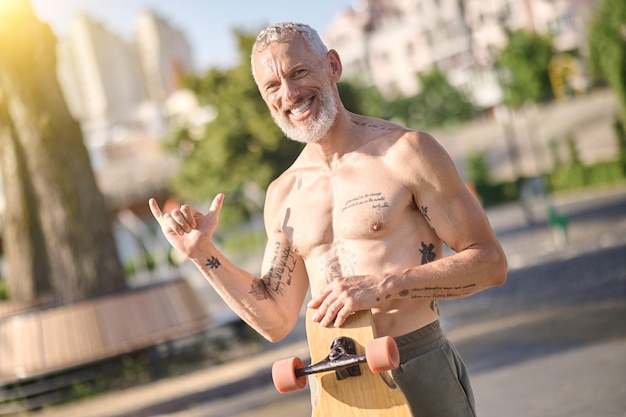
297, 85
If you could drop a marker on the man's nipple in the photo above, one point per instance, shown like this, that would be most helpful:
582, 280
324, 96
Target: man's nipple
376, 226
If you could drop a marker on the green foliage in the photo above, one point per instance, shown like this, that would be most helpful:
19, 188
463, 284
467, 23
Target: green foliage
478, 168
437, 104
3, 289
620, 136
569, 177
242, 145
572, 150
362, 99
565, 175
607, 46
554, 153
493, 194
243, 241
523, 65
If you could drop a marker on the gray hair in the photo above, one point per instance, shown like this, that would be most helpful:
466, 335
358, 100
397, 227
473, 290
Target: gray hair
280, 32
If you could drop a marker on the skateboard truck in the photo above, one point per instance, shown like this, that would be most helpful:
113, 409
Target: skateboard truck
381, 354
342, 359
341, 348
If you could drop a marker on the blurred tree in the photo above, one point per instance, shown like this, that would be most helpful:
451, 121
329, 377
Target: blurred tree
437, 104
242, 150
57, 231
607, 46
478, 168
524, 68
362, 99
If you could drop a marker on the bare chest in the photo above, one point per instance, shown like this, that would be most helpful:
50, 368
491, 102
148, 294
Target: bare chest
347, 204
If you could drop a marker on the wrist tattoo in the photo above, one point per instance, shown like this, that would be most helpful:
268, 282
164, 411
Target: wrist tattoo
213, 262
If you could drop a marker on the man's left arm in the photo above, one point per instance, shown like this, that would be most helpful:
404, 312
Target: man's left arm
455, 216
458, 219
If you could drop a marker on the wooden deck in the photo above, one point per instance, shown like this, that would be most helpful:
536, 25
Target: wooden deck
38, 342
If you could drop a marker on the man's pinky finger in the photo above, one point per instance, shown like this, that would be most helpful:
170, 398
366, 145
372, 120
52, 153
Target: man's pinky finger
155, 209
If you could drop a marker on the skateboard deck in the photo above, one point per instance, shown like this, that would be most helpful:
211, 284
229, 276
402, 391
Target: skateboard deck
344, 383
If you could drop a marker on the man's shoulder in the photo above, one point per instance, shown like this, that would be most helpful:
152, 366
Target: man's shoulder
402, 141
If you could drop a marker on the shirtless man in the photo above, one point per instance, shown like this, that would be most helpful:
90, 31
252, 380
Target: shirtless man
361, 218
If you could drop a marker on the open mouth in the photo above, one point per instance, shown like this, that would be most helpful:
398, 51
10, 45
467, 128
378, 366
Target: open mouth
298, 111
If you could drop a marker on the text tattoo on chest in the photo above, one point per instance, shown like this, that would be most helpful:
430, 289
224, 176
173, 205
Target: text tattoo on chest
375, 200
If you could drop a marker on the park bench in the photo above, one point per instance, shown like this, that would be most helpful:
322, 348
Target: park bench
66, 339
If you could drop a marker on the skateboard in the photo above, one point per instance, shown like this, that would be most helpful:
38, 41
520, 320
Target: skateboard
350, 367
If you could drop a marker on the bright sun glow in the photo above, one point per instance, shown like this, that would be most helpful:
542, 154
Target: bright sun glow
12, 11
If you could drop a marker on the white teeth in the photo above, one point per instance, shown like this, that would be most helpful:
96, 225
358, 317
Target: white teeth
301, 108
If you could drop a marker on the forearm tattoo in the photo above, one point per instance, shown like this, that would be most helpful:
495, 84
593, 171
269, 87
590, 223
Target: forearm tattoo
440, 293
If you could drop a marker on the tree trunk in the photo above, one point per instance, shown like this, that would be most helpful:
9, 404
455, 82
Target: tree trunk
57, 233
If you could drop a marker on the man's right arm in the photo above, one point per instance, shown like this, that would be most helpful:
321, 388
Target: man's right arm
271, 303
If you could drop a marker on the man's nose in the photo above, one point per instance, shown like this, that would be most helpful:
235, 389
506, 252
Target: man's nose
291, 90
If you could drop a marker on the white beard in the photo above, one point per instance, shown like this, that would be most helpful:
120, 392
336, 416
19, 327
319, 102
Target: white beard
312, 129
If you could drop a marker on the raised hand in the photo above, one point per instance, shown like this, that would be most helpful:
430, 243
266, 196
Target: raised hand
188, 230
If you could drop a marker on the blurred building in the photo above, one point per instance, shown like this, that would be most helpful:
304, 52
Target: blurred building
107, 80
126, 94
164, 53
386, 43
119, 91
101, 78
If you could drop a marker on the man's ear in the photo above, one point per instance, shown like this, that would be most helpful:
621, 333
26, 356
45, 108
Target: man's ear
334, 65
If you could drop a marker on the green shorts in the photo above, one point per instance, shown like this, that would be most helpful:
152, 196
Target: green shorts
432, 375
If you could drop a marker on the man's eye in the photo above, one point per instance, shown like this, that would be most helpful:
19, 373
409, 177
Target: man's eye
299, 73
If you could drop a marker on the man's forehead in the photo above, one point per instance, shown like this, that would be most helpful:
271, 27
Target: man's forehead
284, 54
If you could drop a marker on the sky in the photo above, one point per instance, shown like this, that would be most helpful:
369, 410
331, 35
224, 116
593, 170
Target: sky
207, 24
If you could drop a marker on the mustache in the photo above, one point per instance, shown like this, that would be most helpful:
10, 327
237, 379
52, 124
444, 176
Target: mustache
298, 101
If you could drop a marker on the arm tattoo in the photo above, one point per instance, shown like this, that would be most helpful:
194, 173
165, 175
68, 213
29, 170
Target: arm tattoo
440, 293
424, 211
428, 254
280, 273
213, 262
258, 290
